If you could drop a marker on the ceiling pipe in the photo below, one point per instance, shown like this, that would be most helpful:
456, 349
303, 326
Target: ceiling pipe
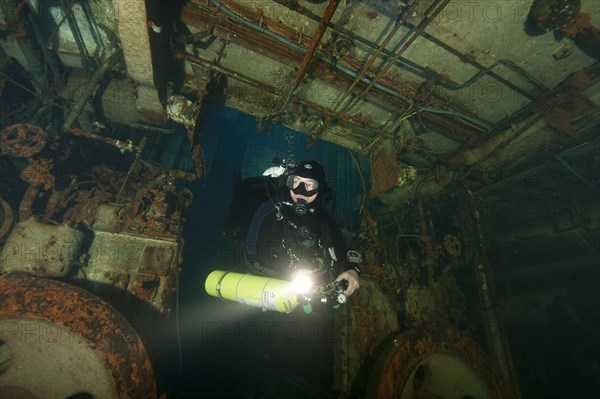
197, 14
243, 17
424, 23
195, 60
310, 52
402, 62
482, 69
430, 15
366, 67
474, 157
359, 77
316, 40
424, 72
579, 176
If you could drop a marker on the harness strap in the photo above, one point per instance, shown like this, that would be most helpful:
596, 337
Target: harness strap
260, 215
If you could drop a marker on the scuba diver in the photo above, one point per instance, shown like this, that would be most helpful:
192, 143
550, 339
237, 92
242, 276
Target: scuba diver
286, 228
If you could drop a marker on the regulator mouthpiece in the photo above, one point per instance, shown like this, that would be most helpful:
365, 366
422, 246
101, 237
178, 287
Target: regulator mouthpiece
301, 207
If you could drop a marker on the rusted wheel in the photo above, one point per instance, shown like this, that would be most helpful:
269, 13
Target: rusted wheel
22, 140
440, 364
59, 341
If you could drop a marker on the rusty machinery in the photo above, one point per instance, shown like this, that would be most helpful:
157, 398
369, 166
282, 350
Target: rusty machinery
406, 333
116, 234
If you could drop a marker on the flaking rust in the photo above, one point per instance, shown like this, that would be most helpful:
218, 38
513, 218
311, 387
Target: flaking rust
89, 319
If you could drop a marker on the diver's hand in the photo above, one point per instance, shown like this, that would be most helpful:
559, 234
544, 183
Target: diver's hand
352, 277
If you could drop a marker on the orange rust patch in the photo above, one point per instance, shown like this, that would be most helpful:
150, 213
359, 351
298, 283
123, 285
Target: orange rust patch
582, 22
93, 320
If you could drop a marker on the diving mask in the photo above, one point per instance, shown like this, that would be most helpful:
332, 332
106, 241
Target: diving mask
302, 185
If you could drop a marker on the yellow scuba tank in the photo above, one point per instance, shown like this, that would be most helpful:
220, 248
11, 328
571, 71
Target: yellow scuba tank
263, 292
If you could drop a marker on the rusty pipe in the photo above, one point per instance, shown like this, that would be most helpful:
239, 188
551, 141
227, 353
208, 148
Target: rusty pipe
316, 40
420, 28
123, 146
366, 67
278, 44
362, 72
310, 51
91, 86
424, 23
266, 87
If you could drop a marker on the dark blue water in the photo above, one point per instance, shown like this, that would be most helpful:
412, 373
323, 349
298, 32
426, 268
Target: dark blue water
231, 350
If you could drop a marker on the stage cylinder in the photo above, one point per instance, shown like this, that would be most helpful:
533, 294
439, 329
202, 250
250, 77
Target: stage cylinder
248, 289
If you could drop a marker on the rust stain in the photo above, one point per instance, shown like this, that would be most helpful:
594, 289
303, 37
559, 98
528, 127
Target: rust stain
384, 169
155, 116
198, 162
39, 172
414, 346
566, 103
372, 15
99, 325
580, 80
145, 287
581, 23
445, 76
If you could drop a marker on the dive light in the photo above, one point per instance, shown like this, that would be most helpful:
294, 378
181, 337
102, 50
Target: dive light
275, 294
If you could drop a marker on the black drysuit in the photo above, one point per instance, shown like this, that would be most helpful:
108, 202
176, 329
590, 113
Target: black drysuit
276, 240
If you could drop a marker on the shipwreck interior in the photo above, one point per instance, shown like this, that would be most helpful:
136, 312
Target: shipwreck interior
461, 138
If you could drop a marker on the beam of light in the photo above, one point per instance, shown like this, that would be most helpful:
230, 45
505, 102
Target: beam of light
302, 283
